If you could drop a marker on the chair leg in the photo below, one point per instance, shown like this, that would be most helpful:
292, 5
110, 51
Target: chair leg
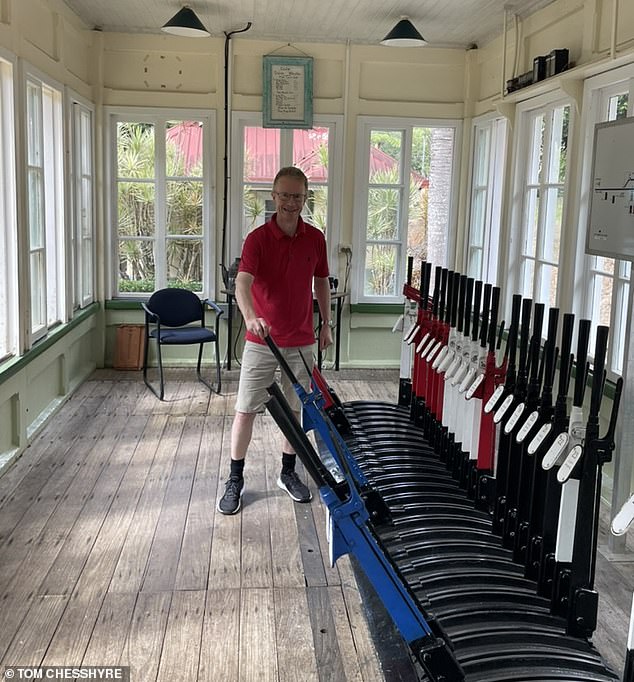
160, 364
199, 372
161, 392
218, 368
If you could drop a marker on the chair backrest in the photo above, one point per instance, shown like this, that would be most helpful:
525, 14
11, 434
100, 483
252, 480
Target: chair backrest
176, 307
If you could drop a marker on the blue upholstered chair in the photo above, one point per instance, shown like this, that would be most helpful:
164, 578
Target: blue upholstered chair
169, 317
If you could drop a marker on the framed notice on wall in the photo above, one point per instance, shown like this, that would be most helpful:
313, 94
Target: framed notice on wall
287, 92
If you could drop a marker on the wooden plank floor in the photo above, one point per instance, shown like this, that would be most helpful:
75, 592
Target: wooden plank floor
112, 551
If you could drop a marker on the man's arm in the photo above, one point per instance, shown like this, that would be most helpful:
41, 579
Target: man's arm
322, 294
256, 325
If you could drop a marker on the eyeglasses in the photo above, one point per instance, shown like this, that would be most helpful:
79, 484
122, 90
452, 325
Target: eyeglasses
285, 196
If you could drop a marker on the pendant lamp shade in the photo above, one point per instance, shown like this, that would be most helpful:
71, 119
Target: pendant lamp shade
186, 23
404, 34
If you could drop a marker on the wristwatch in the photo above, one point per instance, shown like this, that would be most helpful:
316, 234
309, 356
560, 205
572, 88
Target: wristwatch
330, 324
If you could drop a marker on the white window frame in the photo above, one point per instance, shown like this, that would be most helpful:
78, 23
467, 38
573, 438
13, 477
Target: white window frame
9, 312
492, 190
50, 143
525, 114
83, 217
158, 117
597, 90
244, 119
365, 125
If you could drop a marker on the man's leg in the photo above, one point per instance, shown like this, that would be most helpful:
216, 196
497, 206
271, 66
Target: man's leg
289, 480
257, 372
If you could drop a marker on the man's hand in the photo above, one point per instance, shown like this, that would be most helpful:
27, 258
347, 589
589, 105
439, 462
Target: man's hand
259, 327
325, 337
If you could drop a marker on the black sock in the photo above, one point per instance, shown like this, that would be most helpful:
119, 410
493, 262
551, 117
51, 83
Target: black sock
288, 462
237, 467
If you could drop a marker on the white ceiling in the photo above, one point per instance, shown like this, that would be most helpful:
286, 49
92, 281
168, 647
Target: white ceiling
443, 23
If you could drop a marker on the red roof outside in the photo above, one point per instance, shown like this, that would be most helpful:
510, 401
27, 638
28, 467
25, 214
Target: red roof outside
262, 152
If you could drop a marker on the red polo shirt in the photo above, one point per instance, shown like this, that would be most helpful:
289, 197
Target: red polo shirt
283, 268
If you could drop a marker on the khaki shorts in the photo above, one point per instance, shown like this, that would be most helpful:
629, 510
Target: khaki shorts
258, 372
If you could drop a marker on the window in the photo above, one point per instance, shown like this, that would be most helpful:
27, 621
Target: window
542, 181
487, 178
261, 152
83, 211
45, 205
162, 189
404, 207
606, 281
8, 232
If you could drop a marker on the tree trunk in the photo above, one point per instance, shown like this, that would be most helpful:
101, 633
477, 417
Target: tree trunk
440, 169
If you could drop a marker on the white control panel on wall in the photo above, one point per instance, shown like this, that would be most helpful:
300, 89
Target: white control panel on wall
611, 216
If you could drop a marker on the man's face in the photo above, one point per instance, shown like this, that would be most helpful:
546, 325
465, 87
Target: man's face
289, 195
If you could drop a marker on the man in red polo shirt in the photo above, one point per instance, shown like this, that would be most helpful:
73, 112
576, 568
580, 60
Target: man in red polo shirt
282, 261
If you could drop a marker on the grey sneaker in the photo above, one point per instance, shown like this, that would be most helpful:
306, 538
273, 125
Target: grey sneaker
292, 484
231, 501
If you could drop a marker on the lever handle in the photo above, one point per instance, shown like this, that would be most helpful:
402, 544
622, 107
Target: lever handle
624, 517
583, 343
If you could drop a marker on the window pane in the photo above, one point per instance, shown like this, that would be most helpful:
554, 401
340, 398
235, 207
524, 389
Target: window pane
315, 209
85, 217
36, 219
617, 107
184, 148
184, 263
559, 144
261, 154
86, 262
478, 217
380, 270
34, 123
385, 156
531, 222
620, 327
547, 285
310, 153
602, 299
475, 263
528, 273
537, 150
625, 269
258, 207
482, 151
552, 225
439, 199
136, 265
383, 213
417, 219
604, 265
85, 135
135, 150
185, 207
38, 290
136, 209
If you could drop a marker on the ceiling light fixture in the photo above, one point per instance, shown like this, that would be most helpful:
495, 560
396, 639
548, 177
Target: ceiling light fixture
404, 34
186, 23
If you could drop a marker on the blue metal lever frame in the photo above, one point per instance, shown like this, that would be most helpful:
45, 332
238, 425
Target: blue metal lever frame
350, 533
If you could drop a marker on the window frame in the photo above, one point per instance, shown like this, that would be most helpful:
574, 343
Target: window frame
493, 191
56, 306
365, 126
159, 116
9, 273
244, 119
526, 113
82, 245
